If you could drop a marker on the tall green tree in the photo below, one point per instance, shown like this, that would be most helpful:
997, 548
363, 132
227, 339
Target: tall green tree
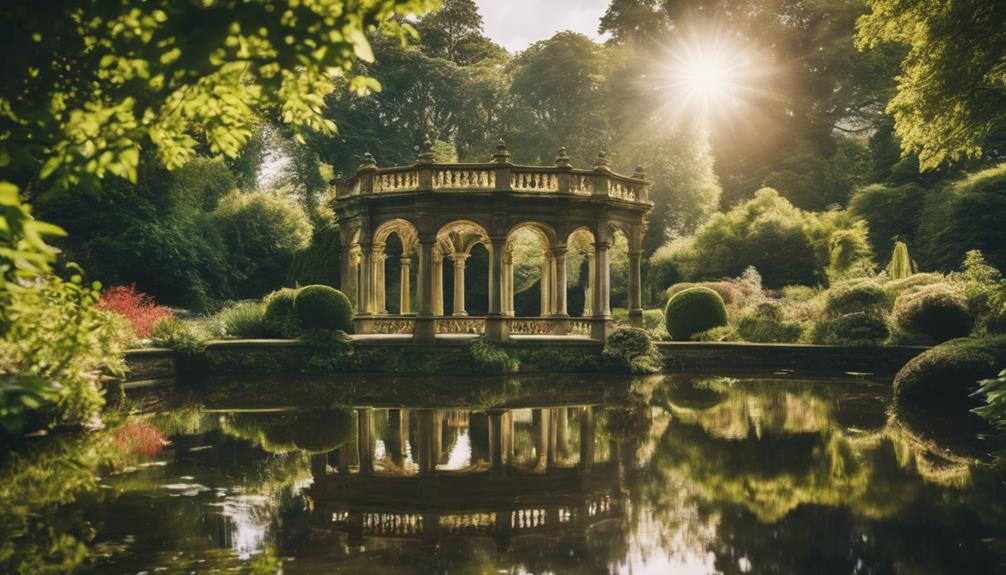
952, 87
455, 32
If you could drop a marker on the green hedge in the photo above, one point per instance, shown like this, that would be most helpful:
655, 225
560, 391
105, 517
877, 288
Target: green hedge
323, 307
856, 296
936, 311
279, 319
945, 376
692, 311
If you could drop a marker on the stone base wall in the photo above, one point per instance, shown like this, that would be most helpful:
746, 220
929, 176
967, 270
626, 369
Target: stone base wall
456, 358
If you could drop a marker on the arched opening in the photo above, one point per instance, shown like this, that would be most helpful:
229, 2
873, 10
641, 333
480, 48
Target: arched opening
580, 272
527, 271
395, 276
461, 276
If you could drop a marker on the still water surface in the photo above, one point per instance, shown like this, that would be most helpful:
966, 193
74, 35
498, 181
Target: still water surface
666, 474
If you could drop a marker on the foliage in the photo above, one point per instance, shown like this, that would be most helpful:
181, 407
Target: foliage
489, 358
318, 262
692, 311
856, 328
951, 86
964, 215
279, 318
53, 337
993, 391
856, 296
631, 350
244, 320
890, 212
178, 335
138, 308
937, 311
661, 271
785, 244
944, 377
851, 255
262, 231
901, 265
767, 323
895, 288
983, 287
323, 307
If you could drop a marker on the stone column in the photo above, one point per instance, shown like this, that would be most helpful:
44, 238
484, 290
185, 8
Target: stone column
601, 283
366, 277
508, 284
438, 284
497, 441
459, 283
380, 260
496, 326
601, 311
545, 284
425, 327
635, 288
560, 281
588, 295
405, 289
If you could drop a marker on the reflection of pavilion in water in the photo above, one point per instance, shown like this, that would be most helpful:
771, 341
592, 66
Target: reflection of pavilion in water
431, 473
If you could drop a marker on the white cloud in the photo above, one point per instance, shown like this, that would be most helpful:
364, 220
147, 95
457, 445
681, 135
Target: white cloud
516, 24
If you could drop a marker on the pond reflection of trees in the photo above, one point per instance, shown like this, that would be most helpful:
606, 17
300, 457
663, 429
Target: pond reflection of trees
690, 474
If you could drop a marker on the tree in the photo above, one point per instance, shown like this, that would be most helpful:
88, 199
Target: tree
557, 99
454, 32
952, 86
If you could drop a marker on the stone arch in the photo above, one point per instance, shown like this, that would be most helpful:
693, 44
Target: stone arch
455, 240
400, 266
547, 239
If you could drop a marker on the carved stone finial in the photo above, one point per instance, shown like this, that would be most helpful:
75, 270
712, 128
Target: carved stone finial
369, 162
640, 173
502, 155
563, 160
426, 151
601, 162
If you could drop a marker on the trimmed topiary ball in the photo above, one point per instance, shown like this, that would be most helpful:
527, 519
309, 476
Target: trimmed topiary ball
945, 376
323, 307
279, 319
859, 328
856, 296
322, 430
692, 311
937, 311
895, 288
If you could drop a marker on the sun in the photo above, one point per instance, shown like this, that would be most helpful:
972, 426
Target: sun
710, 76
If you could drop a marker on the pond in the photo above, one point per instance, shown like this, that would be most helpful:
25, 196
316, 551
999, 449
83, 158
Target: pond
680, 473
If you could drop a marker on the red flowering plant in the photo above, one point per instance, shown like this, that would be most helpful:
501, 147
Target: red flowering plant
138, 308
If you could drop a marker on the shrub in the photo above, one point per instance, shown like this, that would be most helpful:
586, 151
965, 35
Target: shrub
177, 335
631, 349
901, 265
766, 324
857, 328
994, 393
946, 375
490, 358
895, 288
323, 307
138, 308
850, 254
262, 231
244, 319
890, 212
856, 296
694, 310
318, 262
786, 244
937, 311
279, 319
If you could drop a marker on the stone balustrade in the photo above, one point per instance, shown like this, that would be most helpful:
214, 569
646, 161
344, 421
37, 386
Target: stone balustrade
498, 175
475, 325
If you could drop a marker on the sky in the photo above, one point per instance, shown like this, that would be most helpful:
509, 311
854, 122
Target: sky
516, 24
